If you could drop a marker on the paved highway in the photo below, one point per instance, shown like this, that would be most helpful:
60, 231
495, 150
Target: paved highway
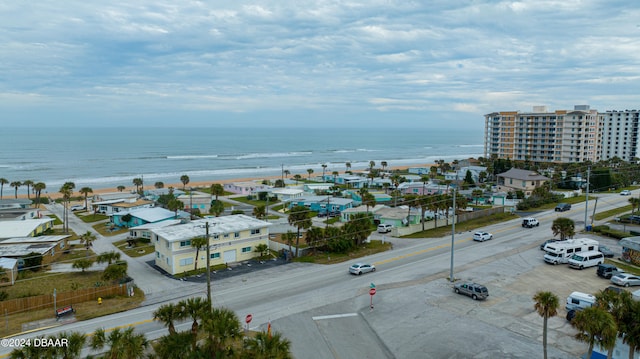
325, 311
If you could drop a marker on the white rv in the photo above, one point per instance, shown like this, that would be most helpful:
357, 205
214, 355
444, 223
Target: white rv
560, 252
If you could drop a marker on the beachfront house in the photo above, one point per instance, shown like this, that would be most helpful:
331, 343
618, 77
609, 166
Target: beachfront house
155, 193
516, 179
19, 214
397, 216
232, 239
141, 216
461, 174
15, 203
195, 201
286, 194
245, 188
322, 204
25, 228
50, 247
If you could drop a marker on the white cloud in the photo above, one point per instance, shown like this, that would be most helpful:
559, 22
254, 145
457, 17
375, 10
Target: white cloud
332, 56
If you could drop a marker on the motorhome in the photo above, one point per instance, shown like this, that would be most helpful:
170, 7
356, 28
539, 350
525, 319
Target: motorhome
560, 252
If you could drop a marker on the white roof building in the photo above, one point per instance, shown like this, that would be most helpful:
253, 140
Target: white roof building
26, 228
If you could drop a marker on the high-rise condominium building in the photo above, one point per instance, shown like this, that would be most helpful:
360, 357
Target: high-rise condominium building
561, 136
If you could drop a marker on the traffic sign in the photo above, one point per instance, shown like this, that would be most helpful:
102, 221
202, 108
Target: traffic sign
372, 291
372, 285
248, 318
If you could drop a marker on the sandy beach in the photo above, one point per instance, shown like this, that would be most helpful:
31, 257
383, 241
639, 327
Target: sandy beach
54, 194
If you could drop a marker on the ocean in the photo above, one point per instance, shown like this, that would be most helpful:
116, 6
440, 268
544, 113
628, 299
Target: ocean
108, 157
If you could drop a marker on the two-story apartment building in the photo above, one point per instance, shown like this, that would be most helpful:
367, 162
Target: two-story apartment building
520, 180
231, 239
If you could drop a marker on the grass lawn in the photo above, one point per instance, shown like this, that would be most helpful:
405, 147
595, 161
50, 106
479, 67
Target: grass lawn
93, 217
105, 229
612, 212
330, 258
254, 202
473, 224
142, 247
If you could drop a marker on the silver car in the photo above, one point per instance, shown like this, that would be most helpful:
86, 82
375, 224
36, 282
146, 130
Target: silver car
625, 279
482, 236
473, 290
360, 268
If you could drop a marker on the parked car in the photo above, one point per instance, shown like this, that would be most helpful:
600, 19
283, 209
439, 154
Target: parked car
561, 207
530, 222
474, 290
360, 268
625, 279
608, 253
384, 228
77, 207
625, 192
606, 270
482, 236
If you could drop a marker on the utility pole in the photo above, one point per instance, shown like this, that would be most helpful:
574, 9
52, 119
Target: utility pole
208, 269
453, 231
586, 202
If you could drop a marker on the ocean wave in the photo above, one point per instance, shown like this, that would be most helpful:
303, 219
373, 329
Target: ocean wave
466, 146
269, 155
190, 157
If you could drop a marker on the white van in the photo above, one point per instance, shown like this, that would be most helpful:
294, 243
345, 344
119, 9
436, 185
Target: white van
579, 301
384, 228
586, 259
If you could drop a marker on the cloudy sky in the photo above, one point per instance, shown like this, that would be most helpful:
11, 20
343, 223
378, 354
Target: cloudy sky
298, 62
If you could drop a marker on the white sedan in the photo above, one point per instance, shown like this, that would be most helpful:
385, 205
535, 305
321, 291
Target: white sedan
482, 236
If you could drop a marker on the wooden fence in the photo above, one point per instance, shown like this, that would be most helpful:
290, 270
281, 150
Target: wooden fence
62, 299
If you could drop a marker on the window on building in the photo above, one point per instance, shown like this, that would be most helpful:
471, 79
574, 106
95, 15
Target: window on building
185, 243
236, 235
215, 255
246, 249
255, 231
186, 261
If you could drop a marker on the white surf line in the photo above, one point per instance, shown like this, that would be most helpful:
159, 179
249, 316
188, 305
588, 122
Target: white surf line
334, 316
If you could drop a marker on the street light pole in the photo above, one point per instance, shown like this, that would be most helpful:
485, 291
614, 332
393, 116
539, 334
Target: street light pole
453, 234
586, 202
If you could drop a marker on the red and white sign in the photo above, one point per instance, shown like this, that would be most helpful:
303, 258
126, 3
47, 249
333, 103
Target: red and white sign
248, 318
372, 291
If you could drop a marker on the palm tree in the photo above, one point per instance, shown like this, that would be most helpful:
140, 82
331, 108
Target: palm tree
87, 239
314, 236
121, 343
217, 207
158, 185
565, 227
222, 327
198, 243
217, 190
167, 314
193, 308
16, 185
299, 218
383, 164
67, 191
297, 177
347, 165
85, 191
288, 239
121, 188
546, 305
38, 187
185, 180
632, 327
175, 205
476, 193
335, 175
618, 304
324, 168
259, 212
108, 257
28, 183
371, 165
268, 346
262, 249
176, 345
3, 181
635, 202
286, 173
310, 171
595, 325
138, 183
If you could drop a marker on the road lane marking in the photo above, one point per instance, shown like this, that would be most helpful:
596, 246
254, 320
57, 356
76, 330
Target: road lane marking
321, 317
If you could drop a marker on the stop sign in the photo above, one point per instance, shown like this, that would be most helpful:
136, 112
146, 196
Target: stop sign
372, 291
248, 318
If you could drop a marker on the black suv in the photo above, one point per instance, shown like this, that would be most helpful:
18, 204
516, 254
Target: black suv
561, 207
606, 271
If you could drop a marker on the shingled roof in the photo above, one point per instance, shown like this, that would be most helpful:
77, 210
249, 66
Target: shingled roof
523, 175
